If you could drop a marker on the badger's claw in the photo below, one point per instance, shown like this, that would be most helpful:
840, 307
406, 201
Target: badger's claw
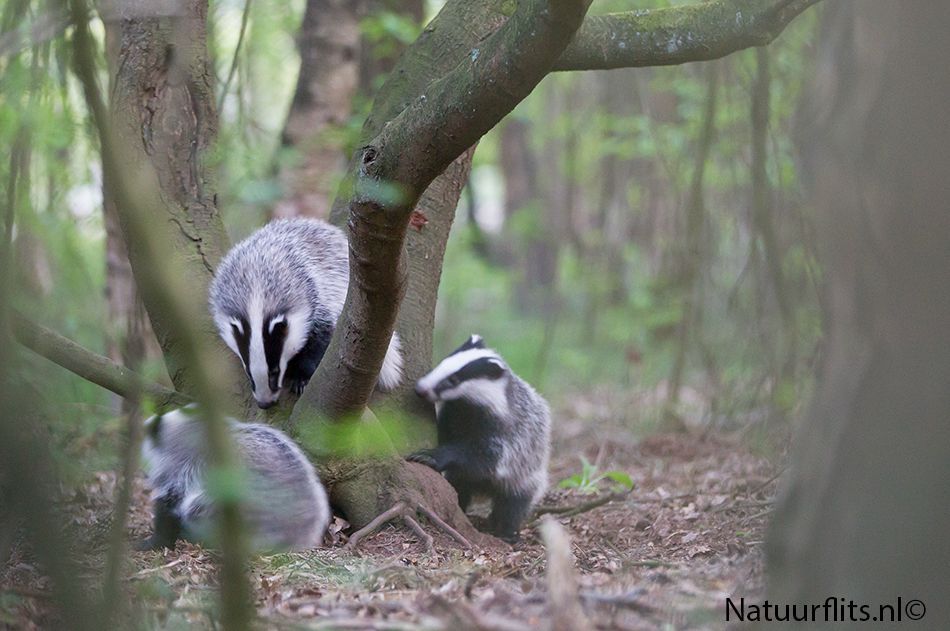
297, 385
424, 456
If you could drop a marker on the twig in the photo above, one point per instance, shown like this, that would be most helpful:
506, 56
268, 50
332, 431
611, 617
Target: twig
237, 49
772, 479
577, 509
629, 600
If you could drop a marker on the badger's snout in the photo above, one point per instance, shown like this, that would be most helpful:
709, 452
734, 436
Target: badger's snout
264, 405
425, 393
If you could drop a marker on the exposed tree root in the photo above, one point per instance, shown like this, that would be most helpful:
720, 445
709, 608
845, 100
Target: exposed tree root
373, 496
403, 510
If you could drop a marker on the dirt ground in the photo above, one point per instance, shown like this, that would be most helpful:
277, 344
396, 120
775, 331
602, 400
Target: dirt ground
663, 557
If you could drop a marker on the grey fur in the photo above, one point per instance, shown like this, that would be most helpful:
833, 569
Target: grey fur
494, 433
285, 505
291, 266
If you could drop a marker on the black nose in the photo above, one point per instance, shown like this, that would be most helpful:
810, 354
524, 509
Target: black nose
266, 405
420, 391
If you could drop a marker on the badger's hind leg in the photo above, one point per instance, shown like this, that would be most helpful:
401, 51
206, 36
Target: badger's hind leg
166, 526
508, 513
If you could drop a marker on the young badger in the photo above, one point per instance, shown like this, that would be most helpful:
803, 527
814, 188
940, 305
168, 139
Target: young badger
493, 433
276, 298
285, 506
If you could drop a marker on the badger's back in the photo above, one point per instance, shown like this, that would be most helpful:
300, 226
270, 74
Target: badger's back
524, 462
284, 258
284, 504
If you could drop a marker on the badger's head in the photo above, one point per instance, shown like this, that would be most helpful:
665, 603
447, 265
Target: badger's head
473, 373
162, 429
261, 307
265, 339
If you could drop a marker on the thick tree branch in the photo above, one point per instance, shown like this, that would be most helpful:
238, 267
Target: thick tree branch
677, 35
98, 369
394, 170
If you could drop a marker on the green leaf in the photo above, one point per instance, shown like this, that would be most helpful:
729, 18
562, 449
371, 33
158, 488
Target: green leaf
620, 477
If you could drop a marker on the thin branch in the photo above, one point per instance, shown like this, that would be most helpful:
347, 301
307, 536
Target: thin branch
577, 509
237, 50
677, 35
92, 367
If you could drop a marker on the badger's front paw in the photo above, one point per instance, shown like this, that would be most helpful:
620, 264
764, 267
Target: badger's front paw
424, 456
296, 385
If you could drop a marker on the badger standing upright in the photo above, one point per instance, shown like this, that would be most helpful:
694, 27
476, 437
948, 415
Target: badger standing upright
284, 505
494, 434
276, 298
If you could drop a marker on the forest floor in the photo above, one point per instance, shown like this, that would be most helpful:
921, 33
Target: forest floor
665, 556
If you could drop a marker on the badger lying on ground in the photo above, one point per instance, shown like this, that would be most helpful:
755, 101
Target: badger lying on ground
493, 434
284, 507
276, 298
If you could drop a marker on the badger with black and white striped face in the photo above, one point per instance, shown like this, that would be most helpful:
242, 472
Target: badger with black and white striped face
284, 505
494, 434
276, 298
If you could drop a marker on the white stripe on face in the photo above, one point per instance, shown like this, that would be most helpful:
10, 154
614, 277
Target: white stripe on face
490, 393
256, 356
451, 365
298, 331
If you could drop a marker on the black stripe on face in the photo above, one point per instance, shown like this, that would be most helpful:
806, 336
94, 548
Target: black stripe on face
273, 347
242, 337
481, 368
475, 341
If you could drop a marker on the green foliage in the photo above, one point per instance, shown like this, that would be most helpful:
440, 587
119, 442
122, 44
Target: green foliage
388, 31
589, 478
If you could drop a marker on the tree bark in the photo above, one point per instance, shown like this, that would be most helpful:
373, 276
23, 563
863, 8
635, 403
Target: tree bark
863, 515
163, 104
312, 140
677, 35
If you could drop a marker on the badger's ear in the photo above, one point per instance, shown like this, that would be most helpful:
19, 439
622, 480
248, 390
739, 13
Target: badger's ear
494, 367
153, 427
475, 341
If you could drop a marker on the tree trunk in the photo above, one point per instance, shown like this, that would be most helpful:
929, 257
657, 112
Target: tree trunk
313, 156
864, 515
163, 107
129, 337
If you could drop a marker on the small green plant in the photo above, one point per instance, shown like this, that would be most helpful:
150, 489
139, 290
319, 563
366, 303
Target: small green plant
589, 478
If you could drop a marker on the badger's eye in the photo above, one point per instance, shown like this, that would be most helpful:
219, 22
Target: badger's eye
453, 380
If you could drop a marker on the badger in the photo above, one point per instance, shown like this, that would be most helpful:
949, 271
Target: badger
494, 434
275, 300
284, 505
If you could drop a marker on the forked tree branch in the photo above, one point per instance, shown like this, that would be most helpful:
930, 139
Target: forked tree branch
98, 369
677, 35
394, 169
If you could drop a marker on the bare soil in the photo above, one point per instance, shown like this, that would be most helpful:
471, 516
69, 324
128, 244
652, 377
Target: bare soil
664, 556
